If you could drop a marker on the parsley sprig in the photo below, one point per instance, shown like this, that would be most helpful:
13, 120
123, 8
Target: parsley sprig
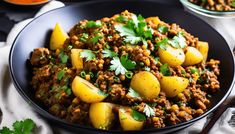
148, 111
164, 69
109, 53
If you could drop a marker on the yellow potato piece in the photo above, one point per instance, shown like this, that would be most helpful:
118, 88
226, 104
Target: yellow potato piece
76, 60
192, 56
58, 37
203, 47
155, 20
146, 84
171, 56
173, 85
128, 122
101, 115
86, 91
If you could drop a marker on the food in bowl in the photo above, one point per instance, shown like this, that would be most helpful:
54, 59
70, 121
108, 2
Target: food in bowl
124, 72
217, 5
27, 2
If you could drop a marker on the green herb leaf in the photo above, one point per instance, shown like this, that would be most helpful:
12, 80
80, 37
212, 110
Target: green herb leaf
67, 90
233, 3
117, 66
88, 54
148, 111
127, 63
63, 57
138, 116
178, 41
95, 39
61, 74
84, 37
162, 44
163, 29
102, 93
109, 53
121, 18
194, 70
147, 69
20, 127
133, 93
91, 24
165, 70
129, 34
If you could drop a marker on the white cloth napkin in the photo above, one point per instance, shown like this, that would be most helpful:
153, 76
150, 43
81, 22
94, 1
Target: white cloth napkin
15, 108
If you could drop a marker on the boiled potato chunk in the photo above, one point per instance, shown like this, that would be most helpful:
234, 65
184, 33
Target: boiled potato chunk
171, 56
76, 60
128, 122
173, 85
192, 56
101, 115
58, 37
86, 91
146, 84
203, 47
154, 20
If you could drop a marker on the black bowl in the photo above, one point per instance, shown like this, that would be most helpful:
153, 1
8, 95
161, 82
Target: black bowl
37, 33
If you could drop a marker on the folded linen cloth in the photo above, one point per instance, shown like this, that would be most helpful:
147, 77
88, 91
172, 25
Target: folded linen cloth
15, 108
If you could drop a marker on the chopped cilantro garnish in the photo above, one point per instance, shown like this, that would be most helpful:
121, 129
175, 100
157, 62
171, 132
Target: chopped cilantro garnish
162, 44
67, 90
20, 127
84, 37
163, 29
178, 41
138, 116
95, 39
165, 70
88, 54
91, 24
121, 19
122, 65
127, 63
63, 57
133, 93
194, 70
102, 93
61, 74
117, 66
147, 69
135, 30
148, 111
108, 53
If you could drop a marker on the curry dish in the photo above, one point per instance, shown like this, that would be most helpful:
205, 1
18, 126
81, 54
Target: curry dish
124, 72
217, 5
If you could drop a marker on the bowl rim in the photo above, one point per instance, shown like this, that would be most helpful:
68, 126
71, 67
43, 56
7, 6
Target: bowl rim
27, 4
60, 121
212, 12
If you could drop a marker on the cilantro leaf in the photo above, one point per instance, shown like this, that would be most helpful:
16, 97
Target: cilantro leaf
63, 57
178, 41
67, 90
95, 39
109, 53
129, 34
20, 127
102, 93
127, 63
91, 24
233, 3
121, 19
148, 111
84, 37
88, 54
133, 93
6, 130
138, 116
165, 70
163, 29
61, 74
162, 44
117, 66
194, 70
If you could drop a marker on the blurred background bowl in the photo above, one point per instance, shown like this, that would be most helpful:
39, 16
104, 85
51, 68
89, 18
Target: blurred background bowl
205, 12
27, 2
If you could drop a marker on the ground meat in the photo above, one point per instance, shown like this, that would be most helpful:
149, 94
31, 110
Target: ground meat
40, 56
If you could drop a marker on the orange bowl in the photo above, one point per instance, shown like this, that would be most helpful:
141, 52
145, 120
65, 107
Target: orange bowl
27, 2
